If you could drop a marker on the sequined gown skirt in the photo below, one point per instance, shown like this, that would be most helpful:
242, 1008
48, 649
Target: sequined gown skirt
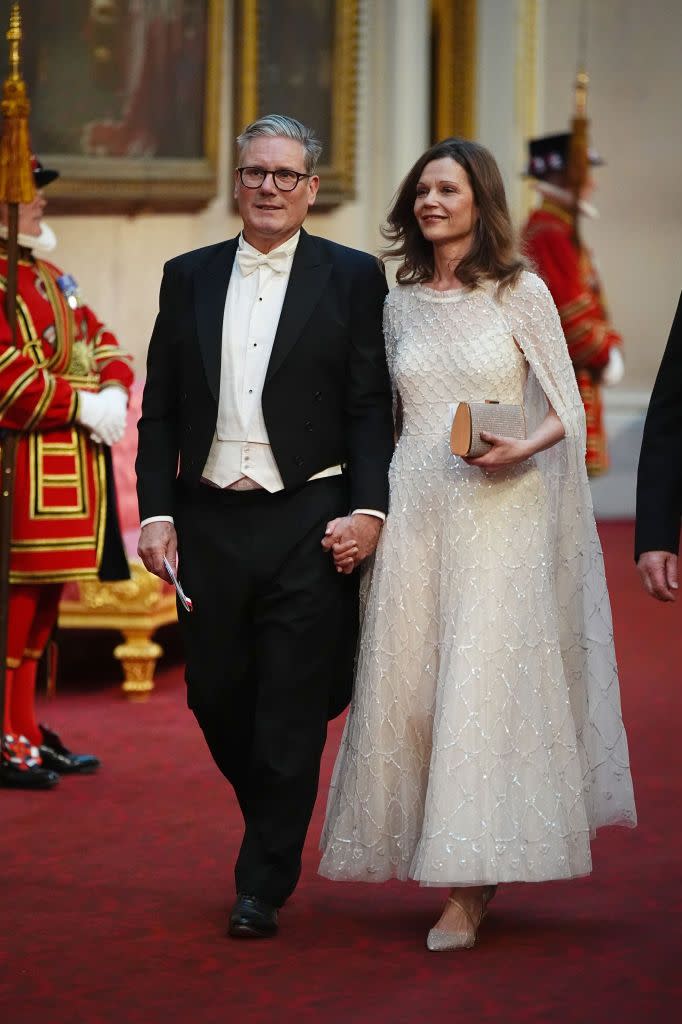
459, 762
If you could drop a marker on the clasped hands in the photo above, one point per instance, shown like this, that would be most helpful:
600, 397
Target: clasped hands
104, 414
351, 539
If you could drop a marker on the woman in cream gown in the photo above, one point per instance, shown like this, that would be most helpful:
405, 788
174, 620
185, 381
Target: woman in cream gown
484, 742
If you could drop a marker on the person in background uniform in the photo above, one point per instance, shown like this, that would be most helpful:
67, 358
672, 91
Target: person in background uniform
64, 387
569, 272
659, 476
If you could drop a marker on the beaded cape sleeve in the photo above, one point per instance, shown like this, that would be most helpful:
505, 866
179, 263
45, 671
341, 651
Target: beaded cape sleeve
587, 645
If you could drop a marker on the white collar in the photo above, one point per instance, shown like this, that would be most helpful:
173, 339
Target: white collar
563, 196
288, 247
46, 241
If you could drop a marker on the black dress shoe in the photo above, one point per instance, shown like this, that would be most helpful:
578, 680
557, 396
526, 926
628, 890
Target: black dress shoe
20, 765
54, 755
251, 918
12, 777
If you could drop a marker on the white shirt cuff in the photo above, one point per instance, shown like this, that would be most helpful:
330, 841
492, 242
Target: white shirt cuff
369, 512
157, 519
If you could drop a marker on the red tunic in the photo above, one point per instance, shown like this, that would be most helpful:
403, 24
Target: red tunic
59, 507
570, 275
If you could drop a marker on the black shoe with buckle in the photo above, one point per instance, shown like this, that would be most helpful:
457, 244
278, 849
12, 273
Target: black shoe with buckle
252, 918
55, 755
20, 766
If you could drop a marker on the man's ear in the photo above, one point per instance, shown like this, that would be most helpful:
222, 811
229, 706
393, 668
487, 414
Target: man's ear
313, 186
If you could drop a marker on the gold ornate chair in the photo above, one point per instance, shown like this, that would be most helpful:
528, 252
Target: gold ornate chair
137, 607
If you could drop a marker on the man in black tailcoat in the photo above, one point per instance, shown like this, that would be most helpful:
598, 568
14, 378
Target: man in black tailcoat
265, 440
659, 477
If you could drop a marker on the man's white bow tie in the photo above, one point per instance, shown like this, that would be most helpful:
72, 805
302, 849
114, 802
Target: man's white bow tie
250, 261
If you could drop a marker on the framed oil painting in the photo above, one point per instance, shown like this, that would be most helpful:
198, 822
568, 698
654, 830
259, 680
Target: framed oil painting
125, 97
299, 57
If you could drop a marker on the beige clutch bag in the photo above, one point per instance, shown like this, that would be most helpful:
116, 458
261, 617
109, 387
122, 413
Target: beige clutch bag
472, 417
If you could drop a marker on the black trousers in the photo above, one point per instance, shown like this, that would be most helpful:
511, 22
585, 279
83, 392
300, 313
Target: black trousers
269, 643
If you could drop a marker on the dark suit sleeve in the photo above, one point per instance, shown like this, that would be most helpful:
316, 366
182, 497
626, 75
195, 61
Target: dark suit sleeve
659, 476
368, 405
158, 427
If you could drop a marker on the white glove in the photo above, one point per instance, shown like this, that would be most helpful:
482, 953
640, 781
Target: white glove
104, 414
614, 369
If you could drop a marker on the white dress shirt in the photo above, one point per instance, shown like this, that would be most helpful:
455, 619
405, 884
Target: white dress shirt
253, 305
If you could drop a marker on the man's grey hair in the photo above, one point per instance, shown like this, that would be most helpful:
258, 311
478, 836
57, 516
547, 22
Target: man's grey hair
281, 127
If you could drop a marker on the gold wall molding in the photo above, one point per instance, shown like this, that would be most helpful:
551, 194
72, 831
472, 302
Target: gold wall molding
527, 91
453, 68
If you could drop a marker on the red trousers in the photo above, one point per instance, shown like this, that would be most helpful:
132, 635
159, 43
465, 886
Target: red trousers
32, 615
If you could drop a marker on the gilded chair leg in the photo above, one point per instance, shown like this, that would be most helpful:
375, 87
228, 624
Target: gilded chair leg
138, 656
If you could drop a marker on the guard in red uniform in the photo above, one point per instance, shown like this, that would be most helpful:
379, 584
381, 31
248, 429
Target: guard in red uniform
64, 387
568, 271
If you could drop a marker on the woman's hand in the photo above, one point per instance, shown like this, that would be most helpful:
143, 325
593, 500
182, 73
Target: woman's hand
505, 452
508, 451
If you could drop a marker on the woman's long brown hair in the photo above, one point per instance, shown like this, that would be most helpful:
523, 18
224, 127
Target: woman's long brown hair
493, 255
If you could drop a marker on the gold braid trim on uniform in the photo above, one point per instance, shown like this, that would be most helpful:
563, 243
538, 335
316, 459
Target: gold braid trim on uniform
72, 543
19, 385
64, 322
74, 408
101, 523
577, 332
8, 357
575, 306
557, 210
39, 411
598, 331
27, 329
51, 576
39, 448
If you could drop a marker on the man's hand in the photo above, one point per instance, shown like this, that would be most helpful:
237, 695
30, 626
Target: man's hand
351, 539
156, 540
658, 572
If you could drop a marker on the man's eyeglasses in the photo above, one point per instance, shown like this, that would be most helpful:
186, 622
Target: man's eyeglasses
284, 179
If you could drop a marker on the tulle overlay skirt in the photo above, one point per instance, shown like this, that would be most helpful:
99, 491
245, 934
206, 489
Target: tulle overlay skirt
460, 762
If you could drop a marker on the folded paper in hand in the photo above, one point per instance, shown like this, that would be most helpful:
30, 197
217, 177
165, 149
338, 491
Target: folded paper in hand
185, 601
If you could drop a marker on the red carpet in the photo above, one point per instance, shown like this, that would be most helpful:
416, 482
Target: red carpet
115, 888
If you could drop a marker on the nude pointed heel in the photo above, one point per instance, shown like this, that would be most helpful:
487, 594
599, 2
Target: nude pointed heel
439, 939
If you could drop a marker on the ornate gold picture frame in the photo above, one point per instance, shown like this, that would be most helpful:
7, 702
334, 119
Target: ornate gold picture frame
299, 57
125, 101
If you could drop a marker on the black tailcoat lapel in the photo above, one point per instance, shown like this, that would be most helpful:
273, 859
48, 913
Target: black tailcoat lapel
308, 277
210, 289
